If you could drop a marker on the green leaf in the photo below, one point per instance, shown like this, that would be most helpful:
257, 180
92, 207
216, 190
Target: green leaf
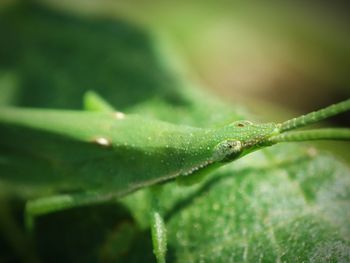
264, 214
289, 209
288, 203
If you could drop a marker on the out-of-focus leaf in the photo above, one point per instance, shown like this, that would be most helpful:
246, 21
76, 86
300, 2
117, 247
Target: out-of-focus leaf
57, 57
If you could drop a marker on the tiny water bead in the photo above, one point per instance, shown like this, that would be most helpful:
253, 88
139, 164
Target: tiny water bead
102, 141
119, 115
198, 167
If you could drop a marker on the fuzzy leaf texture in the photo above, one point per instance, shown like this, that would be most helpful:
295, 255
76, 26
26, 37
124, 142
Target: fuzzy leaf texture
287, 203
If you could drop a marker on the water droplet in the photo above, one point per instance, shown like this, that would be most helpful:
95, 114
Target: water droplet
102, 141
119, 115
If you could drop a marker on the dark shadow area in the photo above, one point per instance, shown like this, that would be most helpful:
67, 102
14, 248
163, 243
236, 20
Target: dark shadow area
12, 209
100, 233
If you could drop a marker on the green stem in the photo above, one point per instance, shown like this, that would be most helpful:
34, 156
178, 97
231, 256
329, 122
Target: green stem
316, 134
315, 116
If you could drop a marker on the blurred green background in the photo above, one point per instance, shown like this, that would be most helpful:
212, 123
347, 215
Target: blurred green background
289, 53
